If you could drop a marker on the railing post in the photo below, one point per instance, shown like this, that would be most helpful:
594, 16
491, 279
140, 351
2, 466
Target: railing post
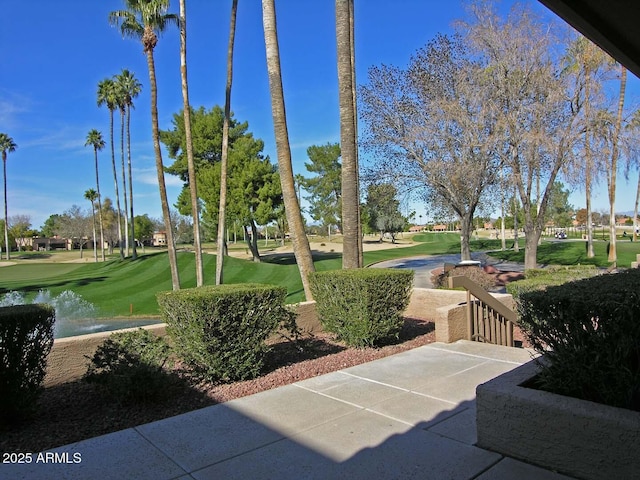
469, 317
500, 318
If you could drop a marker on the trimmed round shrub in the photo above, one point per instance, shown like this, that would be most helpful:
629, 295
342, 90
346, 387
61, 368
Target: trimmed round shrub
220, 331
26, 338
362, 306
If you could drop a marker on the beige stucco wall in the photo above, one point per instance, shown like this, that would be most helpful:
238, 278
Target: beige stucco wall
67, 360
572, 436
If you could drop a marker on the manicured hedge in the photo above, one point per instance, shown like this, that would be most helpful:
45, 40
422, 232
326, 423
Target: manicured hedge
590, 332
26, 338
220, 331
540, 278
362, 306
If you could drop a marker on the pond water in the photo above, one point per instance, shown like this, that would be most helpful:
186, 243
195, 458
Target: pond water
70, 328
74, 315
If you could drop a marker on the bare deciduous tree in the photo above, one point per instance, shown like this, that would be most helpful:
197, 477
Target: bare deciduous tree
434, 125
540, 120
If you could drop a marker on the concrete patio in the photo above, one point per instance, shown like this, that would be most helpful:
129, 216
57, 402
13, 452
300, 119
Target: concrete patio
410, 415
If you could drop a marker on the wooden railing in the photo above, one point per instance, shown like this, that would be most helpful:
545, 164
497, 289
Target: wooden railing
488, 319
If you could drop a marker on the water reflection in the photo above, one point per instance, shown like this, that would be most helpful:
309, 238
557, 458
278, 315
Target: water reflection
74, 315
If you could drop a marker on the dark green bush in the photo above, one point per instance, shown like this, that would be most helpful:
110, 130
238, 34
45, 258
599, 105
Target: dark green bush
540, 278
221, 331
590, 332
26, 338
129, 365
362, 306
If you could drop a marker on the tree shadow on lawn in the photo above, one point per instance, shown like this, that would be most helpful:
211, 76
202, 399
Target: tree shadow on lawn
31, 256
290, 259
67, 284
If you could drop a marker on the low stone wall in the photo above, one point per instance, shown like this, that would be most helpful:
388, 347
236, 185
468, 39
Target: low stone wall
572, 436
68, 358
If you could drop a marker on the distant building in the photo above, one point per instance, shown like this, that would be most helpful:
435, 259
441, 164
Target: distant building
440, 228
159, 239
416, 228
50, 243
42, 244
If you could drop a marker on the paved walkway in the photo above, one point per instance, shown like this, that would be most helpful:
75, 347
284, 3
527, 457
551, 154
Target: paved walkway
410, 415
423, 265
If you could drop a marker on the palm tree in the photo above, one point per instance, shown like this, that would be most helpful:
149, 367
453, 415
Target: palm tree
225, 144
145, 20
350, 200
131, 88
355, 124
613, 166
122, 107
587, 62
189, 141
94, 138
107, 95
301, 248
92, 196
6, 145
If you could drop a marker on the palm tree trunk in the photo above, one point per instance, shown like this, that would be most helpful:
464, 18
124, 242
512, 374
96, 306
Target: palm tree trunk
193, 188
6, 217
301, 248
134, 252
124, 184
95, 151
614, 167
115, 182
350, 201
355, 120
225, 145
171, 247
588, 168
635, 212
93, 215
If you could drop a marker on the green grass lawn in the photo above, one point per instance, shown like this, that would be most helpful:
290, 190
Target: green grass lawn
574, 253
118, 287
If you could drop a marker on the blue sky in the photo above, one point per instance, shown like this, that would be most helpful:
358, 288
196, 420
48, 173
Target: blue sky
56, 52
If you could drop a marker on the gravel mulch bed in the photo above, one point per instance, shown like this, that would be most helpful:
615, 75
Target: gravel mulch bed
79, 410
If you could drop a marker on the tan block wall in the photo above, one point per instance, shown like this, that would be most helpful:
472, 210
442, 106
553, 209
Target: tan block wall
67, 360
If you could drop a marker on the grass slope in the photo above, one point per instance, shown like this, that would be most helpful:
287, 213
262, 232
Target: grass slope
118, 288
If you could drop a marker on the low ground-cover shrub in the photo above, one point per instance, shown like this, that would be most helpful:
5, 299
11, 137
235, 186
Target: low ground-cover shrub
540, 278
220, 331
26, 337
362, 306
476, 274
589, 331
129, 365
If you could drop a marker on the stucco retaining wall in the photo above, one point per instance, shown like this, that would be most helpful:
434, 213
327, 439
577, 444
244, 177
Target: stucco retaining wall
67, 360
579, 438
